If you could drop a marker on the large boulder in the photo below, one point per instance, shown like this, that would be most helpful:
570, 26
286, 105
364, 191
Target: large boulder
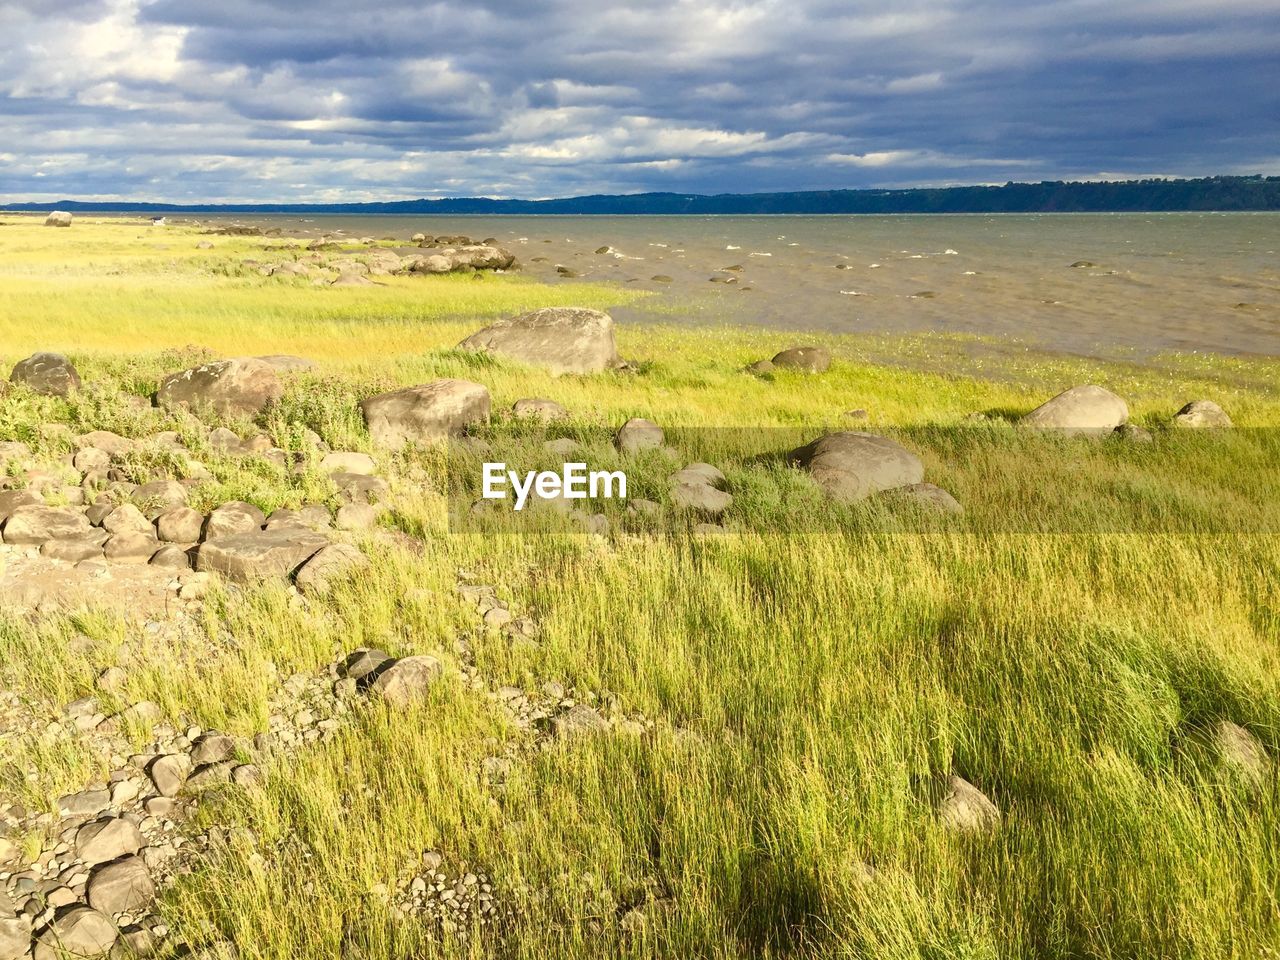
11, 500
123, 886
562, 339
101, 841
430, 411
852, 465
406, 680
259, 554
233, 518
330, 564
805, 359
36, 524
51, 374
1086, 410
638, 434
58, 218
76, 932
244, 385
1202, 413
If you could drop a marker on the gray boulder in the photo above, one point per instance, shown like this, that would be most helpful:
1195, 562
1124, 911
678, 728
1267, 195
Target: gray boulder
15, 935
926, 497
805, 359
169, 773
11, 500
1202, 414
700, 497
76, 932
852, 465
58, 218
180, 525
131, 547
233, 518
123, 886
108, 839
50, 374
638, 434
536, 408
259, 554
242, 386
966, 808
430, 411
406, 680
561, 339
38, 523
159, 496
1240, 750
699, 473
331, 563
1085, 410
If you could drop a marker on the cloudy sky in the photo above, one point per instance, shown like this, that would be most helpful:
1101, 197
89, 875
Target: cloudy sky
242, 100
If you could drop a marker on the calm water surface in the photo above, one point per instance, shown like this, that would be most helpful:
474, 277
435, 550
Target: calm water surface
1208, 282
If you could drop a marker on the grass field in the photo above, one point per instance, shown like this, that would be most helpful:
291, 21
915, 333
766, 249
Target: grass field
805, 686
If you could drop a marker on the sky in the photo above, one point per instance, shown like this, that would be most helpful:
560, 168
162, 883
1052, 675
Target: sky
335, 100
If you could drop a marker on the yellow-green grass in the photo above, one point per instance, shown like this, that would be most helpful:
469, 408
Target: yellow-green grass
810, 690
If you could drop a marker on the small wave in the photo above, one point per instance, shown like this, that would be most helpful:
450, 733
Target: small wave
756, 253
853, 293
950, 253
732, 247
872, 266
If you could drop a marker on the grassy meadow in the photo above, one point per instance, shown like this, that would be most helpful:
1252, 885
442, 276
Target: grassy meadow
806, 686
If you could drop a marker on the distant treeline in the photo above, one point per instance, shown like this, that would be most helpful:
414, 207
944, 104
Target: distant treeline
1128, 196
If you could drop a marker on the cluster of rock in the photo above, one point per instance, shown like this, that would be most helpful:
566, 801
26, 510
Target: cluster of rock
1091, 410
853, 465
450, 903
113, 844
356, 267
119, 521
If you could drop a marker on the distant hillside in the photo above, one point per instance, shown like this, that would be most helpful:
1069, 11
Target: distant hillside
1137, 196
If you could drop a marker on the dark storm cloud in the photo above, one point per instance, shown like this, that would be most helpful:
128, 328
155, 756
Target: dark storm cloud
326, 99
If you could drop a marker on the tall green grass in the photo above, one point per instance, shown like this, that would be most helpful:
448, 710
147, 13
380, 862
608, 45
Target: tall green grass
808, 691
